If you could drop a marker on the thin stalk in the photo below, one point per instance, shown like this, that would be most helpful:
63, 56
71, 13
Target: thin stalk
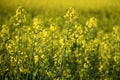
18, 51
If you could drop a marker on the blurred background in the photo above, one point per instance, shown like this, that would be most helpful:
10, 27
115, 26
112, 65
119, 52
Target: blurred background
59, 3
106, 11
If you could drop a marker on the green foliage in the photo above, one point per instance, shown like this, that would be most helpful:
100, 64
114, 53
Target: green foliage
31, 50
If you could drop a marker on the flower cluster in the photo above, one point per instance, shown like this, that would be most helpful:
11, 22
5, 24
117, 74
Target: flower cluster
35, 51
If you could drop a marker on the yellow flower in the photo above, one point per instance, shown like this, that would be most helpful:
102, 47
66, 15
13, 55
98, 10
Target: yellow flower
49, 73
91, 23
23, 70
86, 65
42, 56
100, 68
36, 58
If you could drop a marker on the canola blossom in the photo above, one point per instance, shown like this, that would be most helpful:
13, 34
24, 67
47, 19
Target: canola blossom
30, 50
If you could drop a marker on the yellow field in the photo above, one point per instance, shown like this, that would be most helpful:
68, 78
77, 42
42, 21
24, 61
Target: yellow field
59, 40
61, 3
